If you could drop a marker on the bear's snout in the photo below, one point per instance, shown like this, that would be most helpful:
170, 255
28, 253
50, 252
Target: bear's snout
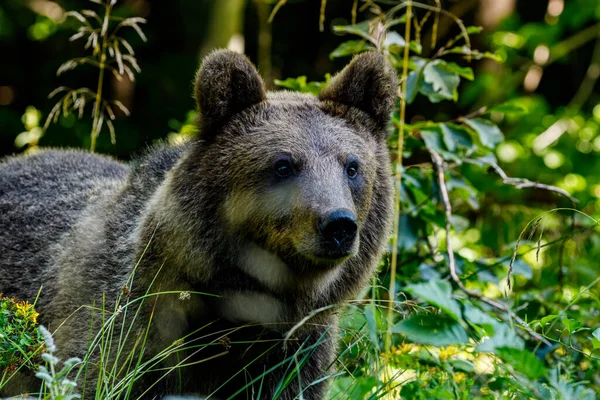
338, 232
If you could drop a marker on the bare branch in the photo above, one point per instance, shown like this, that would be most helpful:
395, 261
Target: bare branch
521, 183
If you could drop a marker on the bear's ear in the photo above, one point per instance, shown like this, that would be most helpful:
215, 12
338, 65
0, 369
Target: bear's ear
226, 83
368, 83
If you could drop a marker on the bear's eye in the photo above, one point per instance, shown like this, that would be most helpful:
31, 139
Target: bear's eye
352, 169
283, 168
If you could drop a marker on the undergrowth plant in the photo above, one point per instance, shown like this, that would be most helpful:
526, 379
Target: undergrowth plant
440, 323
110, 54
20, 338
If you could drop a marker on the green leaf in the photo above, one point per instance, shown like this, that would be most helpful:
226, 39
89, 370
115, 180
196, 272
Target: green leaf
433, 141
547, 319
443, 81
484, 161
353, 388
504, 336
437, 293
489, 134
462, 365
413, 84
510, 107
409, 232
523, 361
570, 324
350, 47
435, 330
473, 54
471, 30
395, 43
465, 72
596, 338
477, 317
361, 29
455, 136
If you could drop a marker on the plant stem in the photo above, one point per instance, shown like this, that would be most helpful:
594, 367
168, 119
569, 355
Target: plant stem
98, 103
398, 182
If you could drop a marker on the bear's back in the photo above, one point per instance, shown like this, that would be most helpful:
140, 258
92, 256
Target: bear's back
41, 196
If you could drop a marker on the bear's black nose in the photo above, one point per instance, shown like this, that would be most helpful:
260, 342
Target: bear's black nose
339, 227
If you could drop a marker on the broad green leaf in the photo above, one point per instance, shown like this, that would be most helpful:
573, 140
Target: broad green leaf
409, 232
413, 84
547, 319
477, 317
489, 134
465, 72
395, 43
433, 330
455, 136
353, 388
464, 189
523, 361
443, 81
462, 365
484, 161
361, 29
433, 141
596, 338
350, 47
504, 336
510, 107
570, 324
437, 293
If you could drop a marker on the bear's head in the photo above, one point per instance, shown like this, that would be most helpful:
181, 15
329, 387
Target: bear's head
305, 179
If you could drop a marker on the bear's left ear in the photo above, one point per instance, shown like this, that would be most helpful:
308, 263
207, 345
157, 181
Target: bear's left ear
226, 83
368, 83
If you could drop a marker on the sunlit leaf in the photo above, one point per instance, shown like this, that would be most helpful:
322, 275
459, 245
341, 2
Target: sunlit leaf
437, 293
361, 29
489, 134
443, 81
433, 330
523, 361
351, 47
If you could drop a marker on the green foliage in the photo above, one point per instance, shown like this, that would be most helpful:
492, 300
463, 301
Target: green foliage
20, 339
110, 53
454, 334
300, 84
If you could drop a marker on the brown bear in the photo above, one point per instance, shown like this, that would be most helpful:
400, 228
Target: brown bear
219, 263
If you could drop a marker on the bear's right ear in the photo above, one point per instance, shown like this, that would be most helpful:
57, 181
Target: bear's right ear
368, 83
226, 83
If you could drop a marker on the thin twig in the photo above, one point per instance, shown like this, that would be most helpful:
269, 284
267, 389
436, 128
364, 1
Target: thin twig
521, 183
439, 168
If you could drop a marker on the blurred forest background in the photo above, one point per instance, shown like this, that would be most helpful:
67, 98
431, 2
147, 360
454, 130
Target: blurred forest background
34, 43
535, 76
